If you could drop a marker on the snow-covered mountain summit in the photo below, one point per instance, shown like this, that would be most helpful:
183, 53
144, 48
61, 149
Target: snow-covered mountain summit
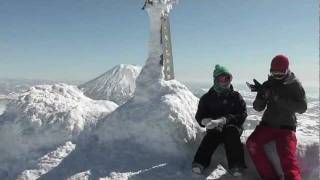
151, 136
117, 84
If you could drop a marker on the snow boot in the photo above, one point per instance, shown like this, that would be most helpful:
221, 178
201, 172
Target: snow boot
197, 168
236, 171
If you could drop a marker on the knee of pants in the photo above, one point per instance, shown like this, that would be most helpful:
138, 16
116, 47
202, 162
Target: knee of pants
232, 130
252, 146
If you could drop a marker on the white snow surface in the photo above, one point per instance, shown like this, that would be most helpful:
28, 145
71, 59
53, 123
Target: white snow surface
48, 162
153, 139
165, 124
45, 117
117, 84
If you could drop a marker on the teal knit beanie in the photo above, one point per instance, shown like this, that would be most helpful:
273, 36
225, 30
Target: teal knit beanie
218, 70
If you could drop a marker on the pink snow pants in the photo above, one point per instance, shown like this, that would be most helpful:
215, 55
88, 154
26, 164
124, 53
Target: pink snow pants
286, 143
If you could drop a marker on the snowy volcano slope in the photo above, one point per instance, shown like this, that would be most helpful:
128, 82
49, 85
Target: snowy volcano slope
117, 85
42, 118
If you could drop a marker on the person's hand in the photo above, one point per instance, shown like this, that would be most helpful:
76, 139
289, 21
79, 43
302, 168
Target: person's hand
211, 124
206, 121
221, 121
254, 87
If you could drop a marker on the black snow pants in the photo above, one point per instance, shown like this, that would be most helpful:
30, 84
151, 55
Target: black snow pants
230, 136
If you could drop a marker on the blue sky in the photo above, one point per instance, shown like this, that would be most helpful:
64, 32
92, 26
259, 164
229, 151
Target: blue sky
80, 39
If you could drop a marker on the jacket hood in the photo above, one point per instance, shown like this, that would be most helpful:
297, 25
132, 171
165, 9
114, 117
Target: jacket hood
291, 78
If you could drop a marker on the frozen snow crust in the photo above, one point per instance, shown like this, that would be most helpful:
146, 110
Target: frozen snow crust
164, 124
46, 116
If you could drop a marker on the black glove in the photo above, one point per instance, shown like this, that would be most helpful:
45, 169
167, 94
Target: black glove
256, 87
263, 91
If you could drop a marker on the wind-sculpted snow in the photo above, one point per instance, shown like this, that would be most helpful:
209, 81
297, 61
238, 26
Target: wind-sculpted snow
3, 104
154, 139
117, 85
164, 5
42, 118
48, 162
164, 124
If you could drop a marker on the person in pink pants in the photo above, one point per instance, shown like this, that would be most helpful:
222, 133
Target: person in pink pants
281, 96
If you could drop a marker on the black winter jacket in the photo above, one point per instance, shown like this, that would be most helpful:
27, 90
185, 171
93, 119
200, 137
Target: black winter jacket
285, 98
216, 105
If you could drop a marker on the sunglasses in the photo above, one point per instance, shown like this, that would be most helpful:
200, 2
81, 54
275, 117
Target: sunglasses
223, 79
278, 75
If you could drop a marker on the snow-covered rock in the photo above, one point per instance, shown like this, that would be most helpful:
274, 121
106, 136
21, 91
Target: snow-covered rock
81, 176
164, 124
117, 85
46, 116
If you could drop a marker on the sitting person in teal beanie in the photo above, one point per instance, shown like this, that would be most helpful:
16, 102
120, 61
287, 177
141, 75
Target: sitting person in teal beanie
222, 111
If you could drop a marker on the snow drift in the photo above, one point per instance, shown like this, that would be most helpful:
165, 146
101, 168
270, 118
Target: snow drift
117, 84
164, 124
46, 116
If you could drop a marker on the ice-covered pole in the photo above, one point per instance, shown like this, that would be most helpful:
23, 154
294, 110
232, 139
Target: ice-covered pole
157, 62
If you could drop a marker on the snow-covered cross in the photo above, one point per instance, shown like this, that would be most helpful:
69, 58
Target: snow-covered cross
167, 48
165, 35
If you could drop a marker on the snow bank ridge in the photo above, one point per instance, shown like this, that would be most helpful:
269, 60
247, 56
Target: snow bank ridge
46, 116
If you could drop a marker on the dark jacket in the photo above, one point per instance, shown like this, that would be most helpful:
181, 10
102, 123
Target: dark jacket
215, 105
284, 99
